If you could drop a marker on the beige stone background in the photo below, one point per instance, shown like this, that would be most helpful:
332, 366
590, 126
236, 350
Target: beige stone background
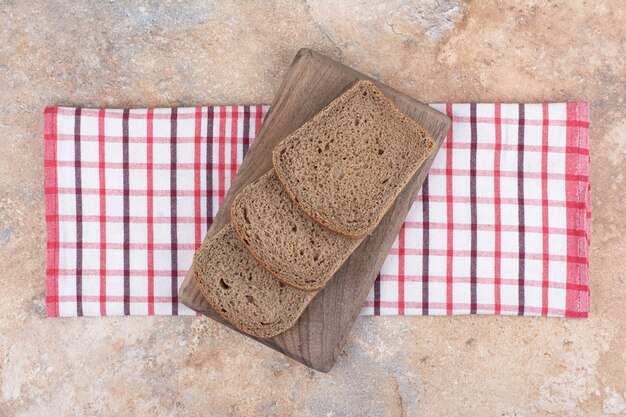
150, 54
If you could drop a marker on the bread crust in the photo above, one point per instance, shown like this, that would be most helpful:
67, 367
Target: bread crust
361, 232
235, 222
217, 308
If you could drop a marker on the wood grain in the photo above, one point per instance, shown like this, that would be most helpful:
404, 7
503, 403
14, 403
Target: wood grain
311, 83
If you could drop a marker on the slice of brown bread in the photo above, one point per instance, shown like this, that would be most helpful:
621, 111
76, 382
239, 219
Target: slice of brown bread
245, 294
346, 165
284, 240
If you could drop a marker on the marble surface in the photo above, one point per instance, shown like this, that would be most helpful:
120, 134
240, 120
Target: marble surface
167, 54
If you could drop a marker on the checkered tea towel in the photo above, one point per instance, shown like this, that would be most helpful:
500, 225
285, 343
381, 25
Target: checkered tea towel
501, 225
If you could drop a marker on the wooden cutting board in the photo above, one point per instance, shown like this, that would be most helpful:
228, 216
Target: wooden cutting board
312, 82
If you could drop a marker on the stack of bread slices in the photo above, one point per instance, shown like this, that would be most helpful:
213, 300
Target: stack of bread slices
332, 181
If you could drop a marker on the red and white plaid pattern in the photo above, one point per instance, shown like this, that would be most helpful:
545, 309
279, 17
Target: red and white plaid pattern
501, 225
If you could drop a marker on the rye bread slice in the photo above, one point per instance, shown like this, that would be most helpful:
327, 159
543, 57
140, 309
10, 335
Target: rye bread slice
242, 292
346, 165
284, 240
